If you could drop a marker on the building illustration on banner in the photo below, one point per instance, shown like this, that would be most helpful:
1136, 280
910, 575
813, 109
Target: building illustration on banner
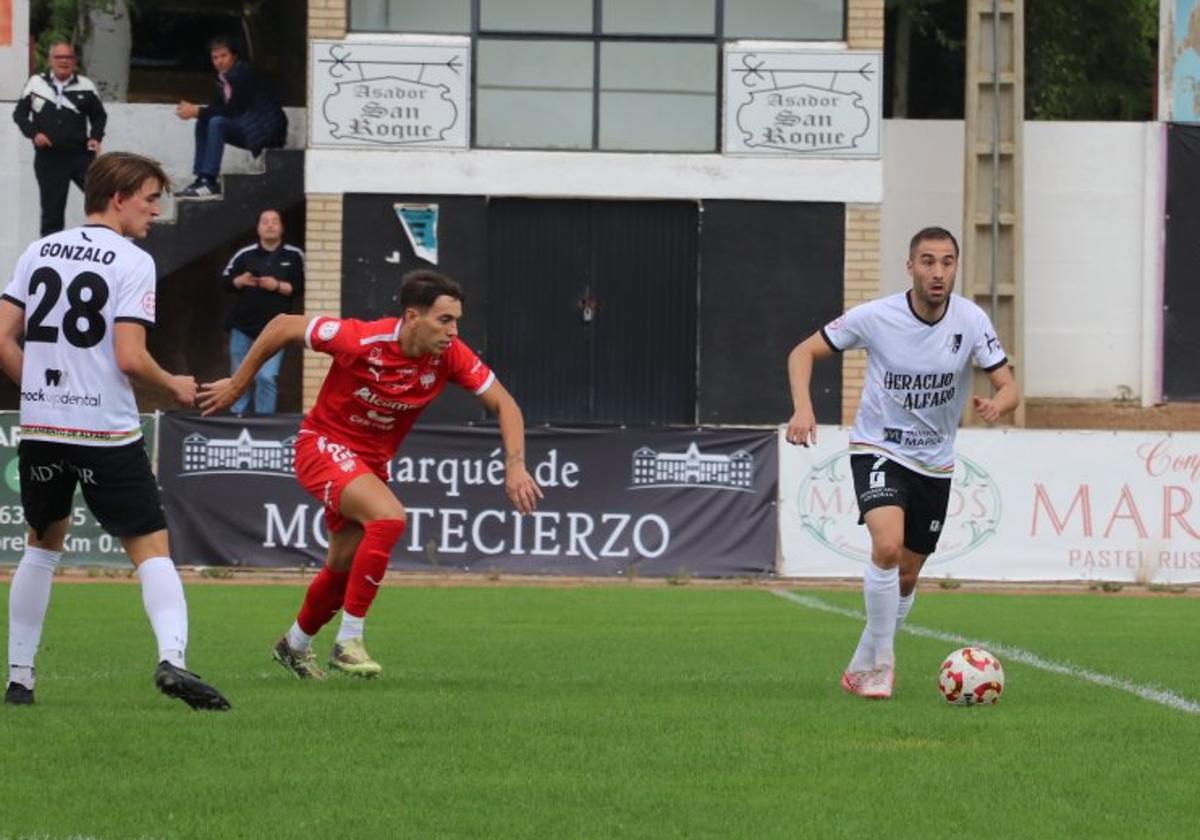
802, 102
692, 468
244, 454
396, 95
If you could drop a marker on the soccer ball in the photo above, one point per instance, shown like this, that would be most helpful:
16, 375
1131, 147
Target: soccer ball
971, 676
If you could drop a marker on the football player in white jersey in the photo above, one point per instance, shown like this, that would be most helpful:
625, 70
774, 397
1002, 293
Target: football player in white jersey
73, 326
920, 348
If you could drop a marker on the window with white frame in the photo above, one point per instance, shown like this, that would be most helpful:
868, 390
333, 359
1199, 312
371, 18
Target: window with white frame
609, 75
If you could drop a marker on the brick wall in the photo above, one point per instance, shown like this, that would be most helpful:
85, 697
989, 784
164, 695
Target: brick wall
861, 284
327, 18
322, 278
864, 24
323, 223
864, 31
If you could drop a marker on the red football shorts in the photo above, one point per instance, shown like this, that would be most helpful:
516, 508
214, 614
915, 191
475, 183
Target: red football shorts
324, 468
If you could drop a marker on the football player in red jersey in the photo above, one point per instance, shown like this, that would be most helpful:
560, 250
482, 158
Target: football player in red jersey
384, 373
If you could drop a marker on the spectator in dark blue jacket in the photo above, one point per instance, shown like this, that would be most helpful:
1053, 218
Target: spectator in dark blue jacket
244, 113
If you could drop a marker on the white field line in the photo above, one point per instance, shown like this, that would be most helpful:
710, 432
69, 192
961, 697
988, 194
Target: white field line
1006, 652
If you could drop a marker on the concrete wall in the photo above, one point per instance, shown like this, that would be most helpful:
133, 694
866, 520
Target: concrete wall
1093, 216
152, 130
14, 54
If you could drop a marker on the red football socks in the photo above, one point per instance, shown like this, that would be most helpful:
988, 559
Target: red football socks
370, 564
323, 600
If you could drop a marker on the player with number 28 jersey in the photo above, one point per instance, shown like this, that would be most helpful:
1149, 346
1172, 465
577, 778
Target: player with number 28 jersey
74, 286
73, 324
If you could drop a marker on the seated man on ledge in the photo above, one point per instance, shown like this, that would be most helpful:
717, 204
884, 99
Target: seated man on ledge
244, 113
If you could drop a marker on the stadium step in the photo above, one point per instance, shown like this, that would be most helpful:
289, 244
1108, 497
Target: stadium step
201, 226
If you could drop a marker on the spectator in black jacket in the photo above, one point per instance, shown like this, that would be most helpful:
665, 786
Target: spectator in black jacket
244, 113
61, 112
265, 278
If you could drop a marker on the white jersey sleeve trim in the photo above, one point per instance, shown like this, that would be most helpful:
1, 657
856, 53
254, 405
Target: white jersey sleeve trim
394, 335
233, 259
308, 331
487, 383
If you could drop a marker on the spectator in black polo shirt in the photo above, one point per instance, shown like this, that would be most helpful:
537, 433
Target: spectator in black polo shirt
265, 278
60, 111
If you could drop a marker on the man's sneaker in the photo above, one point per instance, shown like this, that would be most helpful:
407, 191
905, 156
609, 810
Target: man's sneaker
852, 681
18, 695
878, 684
350, 657
201, 188
302, 664
188, 687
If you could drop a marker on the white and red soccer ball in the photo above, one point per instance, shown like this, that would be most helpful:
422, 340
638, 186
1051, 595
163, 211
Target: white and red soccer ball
971, 676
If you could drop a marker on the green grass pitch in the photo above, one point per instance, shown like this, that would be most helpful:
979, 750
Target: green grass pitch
604, 712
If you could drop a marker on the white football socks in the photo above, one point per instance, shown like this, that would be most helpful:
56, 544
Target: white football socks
162, 596
904, 607
297, 639
28, 599
352, 627
864, 654
881, 591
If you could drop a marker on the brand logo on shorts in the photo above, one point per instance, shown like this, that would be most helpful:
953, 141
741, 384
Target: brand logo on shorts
893, 435
45, 473
328, 330
827, 507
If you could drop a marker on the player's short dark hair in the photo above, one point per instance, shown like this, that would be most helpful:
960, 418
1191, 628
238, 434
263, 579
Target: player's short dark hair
119, 173
420, 288
931, 233
222, 42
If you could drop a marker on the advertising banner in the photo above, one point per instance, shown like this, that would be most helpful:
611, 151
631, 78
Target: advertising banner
815, 103
390, 94
617, 501
1025, 506
87, 544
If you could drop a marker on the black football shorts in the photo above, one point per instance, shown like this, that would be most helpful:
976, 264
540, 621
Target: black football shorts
117, 481
880, 481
